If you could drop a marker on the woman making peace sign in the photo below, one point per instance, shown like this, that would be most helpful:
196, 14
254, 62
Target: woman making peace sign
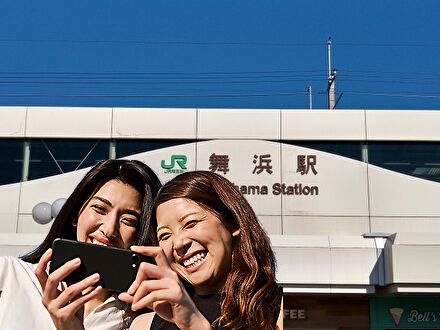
209, 236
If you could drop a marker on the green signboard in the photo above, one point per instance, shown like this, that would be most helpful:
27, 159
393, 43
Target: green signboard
405, 313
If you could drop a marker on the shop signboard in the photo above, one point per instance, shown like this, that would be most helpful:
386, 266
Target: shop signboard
287, 186
405, 313
317, 311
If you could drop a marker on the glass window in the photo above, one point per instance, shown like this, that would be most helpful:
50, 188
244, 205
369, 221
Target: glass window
420, 159
55, 156
11, 160
349, 149
126, 148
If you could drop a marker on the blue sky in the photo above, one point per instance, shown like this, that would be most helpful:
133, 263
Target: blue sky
233, 54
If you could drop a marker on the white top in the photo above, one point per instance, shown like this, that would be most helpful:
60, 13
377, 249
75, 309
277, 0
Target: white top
21, 307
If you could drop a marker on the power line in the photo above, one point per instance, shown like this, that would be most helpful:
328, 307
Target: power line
163, 82
154, 74
170, 42
244, 94
389, 44
200, 73
225, 43
403, 95
39, 95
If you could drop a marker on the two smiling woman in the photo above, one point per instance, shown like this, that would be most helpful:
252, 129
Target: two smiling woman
214, 264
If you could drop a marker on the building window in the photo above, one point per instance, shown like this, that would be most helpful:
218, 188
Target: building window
11, 160
419, 159
125, 148
349, 149
57, 156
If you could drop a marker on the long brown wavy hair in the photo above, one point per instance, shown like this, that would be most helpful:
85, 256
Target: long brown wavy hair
251, 295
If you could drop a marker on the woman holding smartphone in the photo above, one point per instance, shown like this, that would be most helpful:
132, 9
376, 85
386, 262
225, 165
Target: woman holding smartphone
208, 236
110, 206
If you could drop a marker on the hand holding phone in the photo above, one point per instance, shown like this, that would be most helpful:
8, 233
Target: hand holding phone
117, 267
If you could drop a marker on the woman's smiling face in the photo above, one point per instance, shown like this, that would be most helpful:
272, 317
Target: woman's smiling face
111, 216
196, 243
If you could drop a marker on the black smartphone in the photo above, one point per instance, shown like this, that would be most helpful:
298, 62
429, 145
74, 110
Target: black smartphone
117, 267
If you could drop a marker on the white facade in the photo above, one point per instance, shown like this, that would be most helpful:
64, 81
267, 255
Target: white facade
315, 215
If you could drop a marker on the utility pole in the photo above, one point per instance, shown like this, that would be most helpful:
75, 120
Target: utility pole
331, 77
331, 90
309, 90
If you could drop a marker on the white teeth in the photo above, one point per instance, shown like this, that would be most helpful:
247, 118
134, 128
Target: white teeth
94, 241
195, 260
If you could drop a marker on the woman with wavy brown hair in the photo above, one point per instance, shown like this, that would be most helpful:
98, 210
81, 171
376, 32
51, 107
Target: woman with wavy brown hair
209, 238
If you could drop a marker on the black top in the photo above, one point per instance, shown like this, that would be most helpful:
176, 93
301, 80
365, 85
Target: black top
209, 306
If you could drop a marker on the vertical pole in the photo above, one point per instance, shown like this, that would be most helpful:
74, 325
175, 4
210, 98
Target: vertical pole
309, 90
329, 51
331, 90
112, 150
26, 160
364, 152
331, 77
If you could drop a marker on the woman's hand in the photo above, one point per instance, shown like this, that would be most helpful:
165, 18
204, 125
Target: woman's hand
158, 287
64, 306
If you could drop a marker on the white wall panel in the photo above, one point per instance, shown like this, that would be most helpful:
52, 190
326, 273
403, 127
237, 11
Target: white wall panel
9, 196
300, 241
352, 242
241, 172
415, 264
309, 225
12, 121
238, 123
325, 260
416, 239
403, 125
155, 158
16, 251
8, 222
396, 194
353, 260
27, 225
271, 224
303, 265
323, 124
69, 122
136, 123
48, 189
405, 224
353, 266
341, 184
17, 245
302, 259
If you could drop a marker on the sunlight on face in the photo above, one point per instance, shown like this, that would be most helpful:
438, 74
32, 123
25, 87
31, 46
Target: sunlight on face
196, 242
111, 216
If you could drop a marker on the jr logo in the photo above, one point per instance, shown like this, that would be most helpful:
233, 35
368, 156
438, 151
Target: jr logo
179, 159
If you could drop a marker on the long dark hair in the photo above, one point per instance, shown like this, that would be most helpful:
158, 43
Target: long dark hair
131, 172
251, 296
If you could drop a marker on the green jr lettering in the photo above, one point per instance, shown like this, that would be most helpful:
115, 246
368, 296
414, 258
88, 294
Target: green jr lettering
179, 159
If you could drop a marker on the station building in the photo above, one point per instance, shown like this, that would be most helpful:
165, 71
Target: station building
349, 198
